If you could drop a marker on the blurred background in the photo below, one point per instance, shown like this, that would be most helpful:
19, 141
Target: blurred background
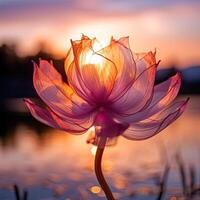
54, 165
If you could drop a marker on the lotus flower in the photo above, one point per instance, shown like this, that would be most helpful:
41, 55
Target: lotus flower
111, 89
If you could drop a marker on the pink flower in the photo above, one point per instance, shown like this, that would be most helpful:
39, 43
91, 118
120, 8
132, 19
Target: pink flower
111, 89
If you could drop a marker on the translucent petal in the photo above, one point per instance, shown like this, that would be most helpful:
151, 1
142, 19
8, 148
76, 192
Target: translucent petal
151, 126
46, 116
58, 95
164, 93
41, 114
140, 93
120, 54
91, 75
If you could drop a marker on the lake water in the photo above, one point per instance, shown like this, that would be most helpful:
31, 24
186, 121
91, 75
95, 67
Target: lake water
51, 164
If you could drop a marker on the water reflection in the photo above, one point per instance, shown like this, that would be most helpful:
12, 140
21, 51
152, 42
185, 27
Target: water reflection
54, 165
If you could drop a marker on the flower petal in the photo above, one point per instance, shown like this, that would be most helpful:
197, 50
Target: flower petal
72, 68
87, 63
148, 128
48, 69
120, 53
164, 93
58, 95
49, 118
140, 93
76, 82
41, 114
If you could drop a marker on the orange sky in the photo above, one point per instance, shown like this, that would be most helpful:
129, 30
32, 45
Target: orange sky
172, 28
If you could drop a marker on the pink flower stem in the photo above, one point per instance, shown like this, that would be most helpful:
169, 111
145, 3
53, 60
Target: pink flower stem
98, 170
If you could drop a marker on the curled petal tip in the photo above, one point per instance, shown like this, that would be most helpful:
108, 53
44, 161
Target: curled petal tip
184, 104
111, 39
71, 41
178, 74
35, 65
25, 99
84, 37
176, 77
158, 63
155, 51
187, 100
27, 102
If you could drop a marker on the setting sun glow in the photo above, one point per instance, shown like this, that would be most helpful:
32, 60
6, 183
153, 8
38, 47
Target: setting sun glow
92, 57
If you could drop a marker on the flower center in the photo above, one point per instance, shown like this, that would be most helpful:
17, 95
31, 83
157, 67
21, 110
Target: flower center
106, 126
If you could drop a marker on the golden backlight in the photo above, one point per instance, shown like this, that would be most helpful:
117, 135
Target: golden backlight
92, 57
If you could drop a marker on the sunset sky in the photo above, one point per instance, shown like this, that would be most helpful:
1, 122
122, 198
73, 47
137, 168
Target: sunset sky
172, 27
